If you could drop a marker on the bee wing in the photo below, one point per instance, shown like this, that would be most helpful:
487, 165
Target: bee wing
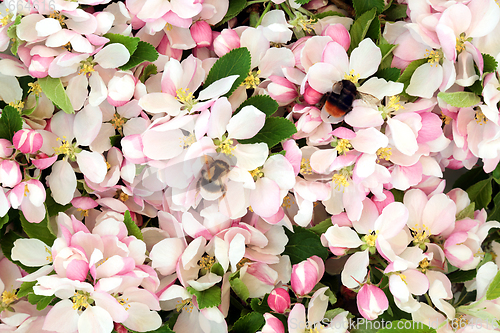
337, 87
370, 99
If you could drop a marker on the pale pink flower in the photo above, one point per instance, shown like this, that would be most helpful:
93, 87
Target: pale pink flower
371, 301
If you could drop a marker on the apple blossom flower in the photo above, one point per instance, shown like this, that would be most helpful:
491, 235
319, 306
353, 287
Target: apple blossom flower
371, 301
306, 274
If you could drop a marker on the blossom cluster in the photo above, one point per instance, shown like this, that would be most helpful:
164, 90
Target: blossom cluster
262, 166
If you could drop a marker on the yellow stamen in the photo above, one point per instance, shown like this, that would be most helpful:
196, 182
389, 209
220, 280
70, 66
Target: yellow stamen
305, 166
81, 300
35, 88
445, 119
287, 202
351, 77
117, 122
394, 103
371, 238
188, 140
225, 146
257, 173
83, 212
65, 148
19, 105
343, 146
340, 181
186, 98
384, 154
252, 80
424, 265
206, 262
460, 46
480, 117
8, 297
184, 305
434, 57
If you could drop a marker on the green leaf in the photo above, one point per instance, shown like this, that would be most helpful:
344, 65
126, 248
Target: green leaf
39, 231
217, 269
303, 244
260, 305
476, 88
319, 16
53, 208
460, 99
322, 227
480, 193
115, 140
493, 291
239, 287
250, 323
130, 43
40, 301
235, 62
207, 298
273, 132
462, 276
398, 195
54, 90
494, 214
490, 64
373, 31
408, 72
467, 212
4, 220
262, 102
132, 228
360, 28
389, 74
10, 122
144, 52
395, 12
470, 178
25, 289
302, 2
149, 70
363, 6
331, 296
7, 244
407, 326
12, 34
386, 50
235, 7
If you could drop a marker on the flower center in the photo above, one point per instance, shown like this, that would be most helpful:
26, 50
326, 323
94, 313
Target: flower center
384, 154
186, 98
7, 298
224, 146
252, 80
343, 146
81, 300
6, 18
184, 305
434, 57
461, 42
305, 166
287, 202
257, 173
18, 105
420, 236
480, 117
352, 77
66, 148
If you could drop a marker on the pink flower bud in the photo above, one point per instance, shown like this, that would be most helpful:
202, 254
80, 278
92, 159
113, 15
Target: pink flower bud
201, 33
121, 88
279, 300
306, 274
27, 141
273, 324
282, 90
312, 96
372, 301
10, 173
338, 33
226, 41
5, 148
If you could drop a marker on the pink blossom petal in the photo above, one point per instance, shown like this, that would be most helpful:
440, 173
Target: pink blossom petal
96, 320
112, 56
